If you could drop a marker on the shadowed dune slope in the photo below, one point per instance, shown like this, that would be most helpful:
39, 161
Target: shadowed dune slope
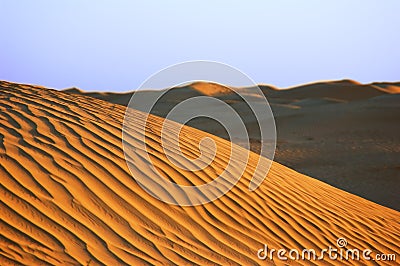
67, 197
349, 90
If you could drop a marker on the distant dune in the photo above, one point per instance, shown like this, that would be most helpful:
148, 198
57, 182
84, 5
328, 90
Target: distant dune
67, 197
341, 89
342, 132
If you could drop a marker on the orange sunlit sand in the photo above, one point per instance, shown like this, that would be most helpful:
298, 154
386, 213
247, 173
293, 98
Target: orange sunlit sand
68, 198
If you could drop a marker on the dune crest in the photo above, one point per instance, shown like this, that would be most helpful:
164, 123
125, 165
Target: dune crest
68, 198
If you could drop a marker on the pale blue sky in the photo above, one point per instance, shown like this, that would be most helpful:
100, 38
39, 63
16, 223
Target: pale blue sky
116, 45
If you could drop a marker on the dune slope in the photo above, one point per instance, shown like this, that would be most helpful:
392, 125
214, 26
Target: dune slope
67, 197
342, 132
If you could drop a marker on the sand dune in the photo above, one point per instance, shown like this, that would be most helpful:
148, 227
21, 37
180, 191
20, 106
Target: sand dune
340, 90
389, 87
342, 132
349, 90
67, 197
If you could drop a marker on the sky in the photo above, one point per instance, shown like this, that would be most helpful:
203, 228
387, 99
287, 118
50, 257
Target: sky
116, 45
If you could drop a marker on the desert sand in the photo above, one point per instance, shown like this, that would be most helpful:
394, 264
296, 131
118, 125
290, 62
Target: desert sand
67, 197
341, 132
